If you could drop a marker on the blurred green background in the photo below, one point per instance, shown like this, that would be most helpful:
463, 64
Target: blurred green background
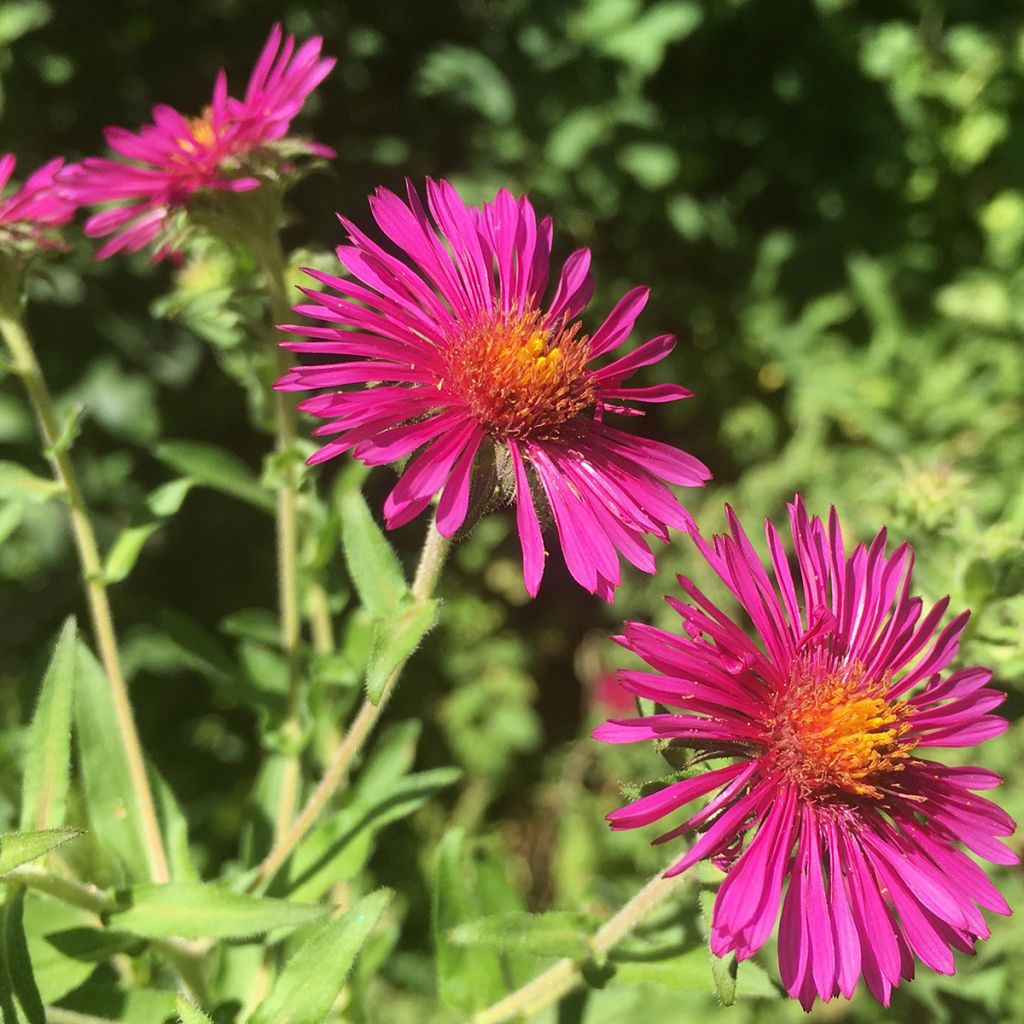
827, 200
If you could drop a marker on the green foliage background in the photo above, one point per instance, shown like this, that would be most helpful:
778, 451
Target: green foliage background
827, 200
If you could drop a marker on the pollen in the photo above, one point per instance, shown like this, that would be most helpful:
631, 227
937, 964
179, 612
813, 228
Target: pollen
835, 732
518, 375
203, 135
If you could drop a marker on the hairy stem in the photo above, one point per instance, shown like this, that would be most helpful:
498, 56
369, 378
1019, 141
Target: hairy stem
560, 979
271, 259
432, 557
26, 365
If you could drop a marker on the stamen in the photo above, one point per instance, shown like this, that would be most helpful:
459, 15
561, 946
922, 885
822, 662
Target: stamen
519, 376
834, 730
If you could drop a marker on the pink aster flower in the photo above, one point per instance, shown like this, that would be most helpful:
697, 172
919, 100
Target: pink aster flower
233, 146
30, 213
466, 355
827, 722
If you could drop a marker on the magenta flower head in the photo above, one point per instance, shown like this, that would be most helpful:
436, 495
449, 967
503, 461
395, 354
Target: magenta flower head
29, 215
233, 146
469, 362
827, 722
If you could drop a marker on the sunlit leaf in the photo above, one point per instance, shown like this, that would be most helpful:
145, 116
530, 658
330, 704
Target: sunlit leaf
311, 980
44, 786
18, 848
394, 641
197, 910
372, 562
217, 469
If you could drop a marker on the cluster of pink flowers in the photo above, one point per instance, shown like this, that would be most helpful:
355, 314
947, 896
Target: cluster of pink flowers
233, 146
453, 342
29, 215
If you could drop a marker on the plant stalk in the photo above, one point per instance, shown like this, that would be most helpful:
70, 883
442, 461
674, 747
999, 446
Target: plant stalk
26, 365
271, 259
561, 978
432, 558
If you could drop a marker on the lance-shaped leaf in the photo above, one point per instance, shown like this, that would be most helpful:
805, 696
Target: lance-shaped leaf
217, 469
19, 483
723, 969
395, 638
44, 786
311, 980
196, 910
340, 847
468, 979
126, 550
114, 813
189, 1013
19, 848
555, 934
686, 971
372, 562
16, 981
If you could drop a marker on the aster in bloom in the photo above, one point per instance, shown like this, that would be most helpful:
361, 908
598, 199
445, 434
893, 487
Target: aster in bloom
466, 355
827, 722
30, 213
234, 146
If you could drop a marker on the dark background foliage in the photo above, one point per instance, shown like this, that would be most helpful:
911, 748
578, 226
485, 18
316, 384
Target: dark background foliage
825, 198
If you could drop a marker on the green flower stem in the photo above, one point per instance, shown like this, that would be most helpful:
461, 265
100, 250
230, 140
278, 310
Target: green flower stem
560, 979
27, 368
432, 558
67, 890
272, 263
320, 624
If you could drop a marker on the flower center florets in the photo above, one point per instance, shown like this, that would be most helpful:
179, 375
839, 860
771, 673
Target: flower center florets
519, 376
833, 730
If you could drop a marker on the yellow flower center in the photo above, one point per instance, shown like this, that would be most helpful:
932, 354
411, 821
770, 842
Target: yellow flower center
519, 377
203, 134
834, 730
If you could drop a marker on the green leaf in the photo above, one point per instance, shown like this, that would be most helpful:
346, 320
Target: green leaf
213, 467
18, 482
47, 923
191, 1014
394, 641
253, 624
70, 428
11, 515
723, 969
126, 550
114, 813
174, 829
197, 910
18, 848
110, 1002
686, 971
470, 78
44, 787
468, 979
311, 980
21, 17
94, 945
16, 980
372, 562
555, 934
167, 499
393, 755
339, 848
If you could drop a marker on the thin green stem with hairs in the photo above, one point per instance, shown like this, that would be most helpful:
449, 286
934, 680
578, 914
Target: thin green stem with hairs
566, 975
428, 571
26, 366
